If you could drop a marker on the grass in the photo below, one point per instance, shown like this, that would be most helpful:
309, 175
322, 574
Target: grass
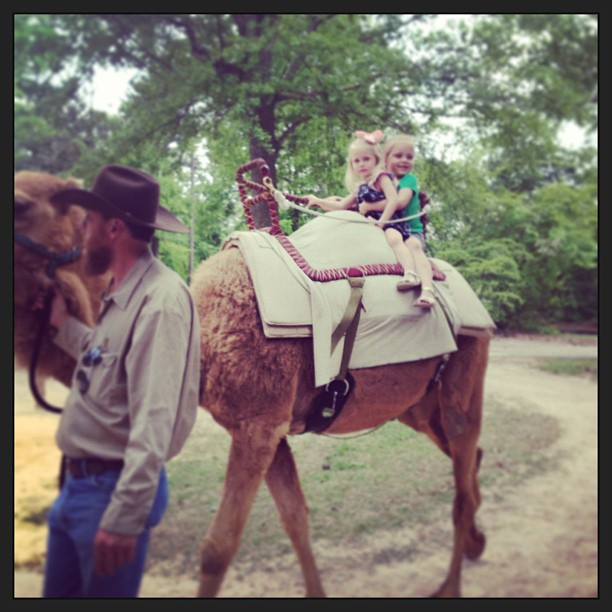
571, 367
390, 478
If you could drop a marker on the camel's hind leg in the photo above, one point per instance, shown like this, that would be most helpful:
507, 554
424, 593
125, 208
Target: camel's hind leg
451, 417
252, 451
284, 484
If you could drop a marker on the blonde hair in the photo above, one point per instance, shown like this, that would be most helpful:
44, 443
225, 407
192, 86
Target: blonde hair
351, 179
394, 141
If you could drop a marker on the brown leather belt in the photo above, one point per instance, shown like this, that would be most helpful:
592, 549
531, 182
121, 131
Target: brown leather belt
91, 466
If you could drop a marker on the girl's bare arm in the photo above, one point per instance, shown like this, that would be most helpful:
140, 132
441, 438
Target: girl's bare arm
386, 186
331, 202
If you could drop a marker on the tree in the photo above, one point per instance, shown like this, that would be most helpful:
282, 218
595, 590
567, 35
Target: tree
532, 257
291, 88
52, 127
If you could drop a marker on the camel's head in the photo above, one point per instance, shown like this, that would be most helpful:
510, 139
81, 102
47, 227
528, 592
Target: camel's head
48, 240
54, 227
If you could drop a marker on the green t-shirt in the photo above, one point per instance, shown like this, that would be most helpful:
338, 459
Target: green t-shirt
409, 181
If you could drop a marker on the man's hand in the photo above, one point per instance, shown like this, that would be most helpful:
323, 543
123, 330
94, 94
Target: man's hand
112, 551
59, 311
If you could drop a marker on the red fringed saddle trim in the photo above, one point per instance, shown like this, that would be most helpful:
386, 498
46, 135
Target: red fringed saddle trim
331, 274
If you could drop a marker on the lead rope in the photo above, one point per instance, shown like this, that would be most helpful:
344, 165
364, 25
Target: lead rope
36, 353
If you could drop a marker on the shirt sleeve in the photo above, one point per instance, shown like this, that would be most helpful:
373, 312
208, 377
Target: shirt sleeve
155, 369
73, 336
409, 181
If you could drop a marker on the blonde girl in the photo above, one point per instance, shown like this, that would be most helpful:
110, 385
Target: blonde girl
399, 155
364, 166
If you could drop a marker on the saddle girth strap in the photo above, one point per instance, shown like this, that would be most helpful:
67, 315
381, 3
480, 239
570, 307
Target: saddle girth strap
328, 404
349, 323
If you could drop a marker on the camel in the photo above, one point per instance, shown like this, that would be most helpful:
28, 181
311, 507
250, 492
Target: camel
260, 389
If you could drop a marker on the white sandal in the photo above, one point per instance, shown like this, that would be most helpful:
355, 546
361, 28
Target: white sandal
427, 298
410, 281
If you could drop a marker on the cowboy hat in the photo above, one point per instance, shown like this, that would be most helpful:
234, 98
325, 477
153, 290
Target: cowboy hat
126, 193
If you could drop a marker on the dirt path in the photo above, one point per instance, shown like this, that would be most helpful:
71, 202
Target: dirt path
541, 542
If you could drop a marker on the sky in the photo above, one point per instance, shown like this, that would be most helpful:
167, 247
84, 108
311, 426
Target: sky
109, 88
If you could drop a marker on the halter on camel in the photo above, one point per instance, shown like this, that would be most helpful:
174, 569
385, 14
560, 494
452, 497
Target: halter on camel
54, 261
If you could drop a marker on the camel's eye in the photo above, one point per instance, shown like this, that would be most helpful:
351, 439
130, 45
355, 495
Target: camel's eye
22, 206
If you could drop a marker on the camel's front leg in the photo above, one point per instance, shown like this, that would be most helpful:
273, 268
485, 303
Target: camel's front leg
252, 450
284, 484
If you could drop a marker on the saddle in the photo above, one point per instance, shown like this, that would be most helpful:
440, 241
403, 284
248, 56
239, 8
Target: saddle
334, 280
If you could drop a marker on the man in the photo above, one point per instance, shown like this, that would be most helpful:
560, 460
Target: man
134, 394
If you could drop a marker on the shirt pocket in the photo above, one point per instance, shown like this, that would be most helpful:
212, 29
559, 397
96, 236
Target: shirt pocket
103, 379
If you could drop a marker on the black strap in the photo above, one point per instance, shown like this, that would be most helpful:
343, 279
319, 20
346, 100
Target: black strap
348, 326
36, 353
437, 377
326, 406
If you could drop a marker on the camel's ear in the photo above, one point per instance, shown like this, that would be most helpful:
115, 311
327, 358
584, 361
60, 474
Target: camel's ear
70, 183
73, 183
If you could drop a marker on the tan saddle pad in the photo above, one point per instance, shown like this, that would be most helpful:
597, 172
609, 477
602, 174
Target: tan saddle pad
391, 329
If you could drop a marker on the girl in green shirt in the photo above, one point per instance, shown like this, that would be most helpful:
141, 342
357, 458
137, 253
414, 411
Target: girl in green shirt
399, 160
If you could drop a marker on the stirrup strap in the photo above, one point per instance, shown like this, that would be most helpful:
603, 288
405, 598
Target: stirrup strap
330, 401
347, 327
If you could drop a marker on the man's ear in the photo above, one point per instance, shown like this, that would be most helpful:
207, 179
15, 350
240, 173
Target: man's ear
115, 226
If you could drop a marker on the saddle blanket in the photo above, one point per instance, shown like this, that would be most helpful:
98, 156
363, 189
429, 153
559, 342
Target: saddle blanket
391, 329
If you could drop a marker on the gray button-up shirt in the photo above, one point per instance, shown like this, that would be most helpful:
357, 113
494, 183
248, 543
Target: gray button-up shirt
142, 395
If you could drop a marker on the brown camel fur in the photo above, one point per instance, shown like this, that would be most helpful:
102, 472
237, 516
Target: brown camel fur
58, 228
259, 389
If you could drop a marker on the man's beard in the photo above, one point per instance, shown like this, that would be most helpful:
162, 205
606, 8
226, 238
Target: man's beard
98, 260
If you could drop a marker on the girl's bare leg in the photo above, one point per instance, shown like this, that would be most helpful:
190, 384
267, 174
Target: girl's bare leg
423, 269
405, 258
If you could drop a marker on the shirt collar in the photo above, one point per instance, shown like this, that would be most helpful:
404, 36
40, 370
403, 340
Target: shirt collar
122, 296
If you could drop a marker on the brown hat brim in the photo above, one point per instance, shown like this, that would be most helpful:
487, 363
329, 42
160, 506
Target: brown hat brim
164, 219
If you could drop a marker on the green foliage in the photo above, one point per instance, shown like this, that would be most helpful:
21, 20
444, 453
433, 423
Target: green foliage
532, 256
52, 130
174, 255
492, 270
485, 96
563, 240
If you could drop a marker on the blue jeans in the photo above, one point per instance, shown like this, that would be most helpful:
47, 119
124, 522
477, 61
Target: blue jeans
73, 522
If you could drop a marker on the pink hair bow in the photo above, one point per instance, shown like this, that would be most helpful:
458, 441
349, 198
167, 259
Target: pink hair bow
370, 137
